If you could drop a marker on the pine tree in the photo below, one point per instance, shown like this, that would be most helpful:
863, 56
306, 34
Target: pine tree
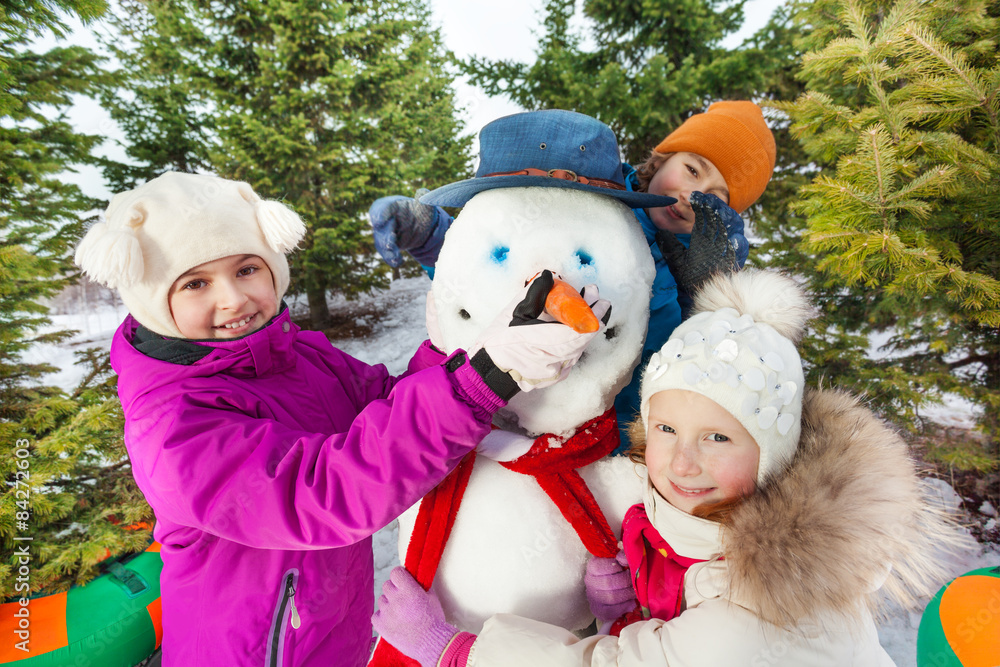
53, 446
652, 64
152, 95
902, 226
327, 105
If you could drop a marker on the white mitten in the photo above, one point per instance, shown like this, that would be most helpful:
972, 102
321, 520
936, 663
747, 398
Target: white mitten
528, 344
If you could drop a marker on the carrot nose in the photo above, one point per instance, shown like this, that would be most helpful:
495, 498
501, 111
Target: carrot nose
566, 305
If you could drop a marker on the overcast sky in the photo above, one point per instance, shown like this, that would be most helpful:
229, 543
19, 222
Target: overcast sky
507, 29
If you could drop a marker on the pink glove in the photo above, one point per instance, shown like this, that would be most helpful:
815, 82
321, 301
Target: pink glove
528, 344
411, 619
609, 587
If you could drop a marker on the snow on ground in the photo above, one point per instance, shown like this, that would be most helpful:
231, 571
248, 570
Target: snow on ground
396, 319
952, 412
95, 328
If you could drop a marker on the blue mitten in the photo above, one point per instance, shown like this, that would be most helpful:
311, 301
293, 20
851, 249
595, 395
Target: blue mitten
732, 221
730, 218
716, 238
403, 223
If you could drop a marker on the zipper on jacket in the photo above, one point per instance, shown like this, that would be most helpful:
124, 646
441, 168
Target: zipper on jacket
296, 621
286, 607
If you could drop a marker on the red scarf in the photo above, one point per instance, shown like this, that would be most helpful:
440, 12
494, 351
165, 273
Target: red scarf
553, 463
657, 570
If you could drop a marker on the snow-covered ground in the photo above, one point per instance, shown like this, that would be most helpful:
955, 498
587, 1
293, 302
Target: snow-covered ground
395, 317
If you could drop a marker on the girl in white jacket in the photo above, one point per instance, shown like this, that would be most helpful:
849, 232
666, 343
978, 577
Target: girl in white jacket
774, 520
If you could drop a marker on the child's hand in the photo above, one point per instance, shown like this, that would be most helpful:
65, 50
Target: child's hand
401, 223
712, 249
609, 587
411, 619
730, 218
734, 225
527, 344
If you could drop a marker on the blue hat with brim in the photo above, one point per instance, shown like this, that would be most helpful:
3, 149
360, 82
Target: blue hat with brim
552, 148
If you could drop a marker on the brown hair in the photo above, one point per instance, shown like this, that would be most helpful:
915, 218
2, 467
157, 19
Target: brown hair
645, 171
719, 512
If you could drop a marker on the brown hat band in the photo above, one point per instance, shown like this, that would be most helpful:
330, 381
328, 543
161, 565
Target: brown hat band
563, 175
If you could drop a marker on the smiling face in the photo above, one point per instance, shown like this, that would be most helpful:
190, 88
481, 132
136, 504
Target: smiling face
502, 238
696, 452
225, 298
679, 176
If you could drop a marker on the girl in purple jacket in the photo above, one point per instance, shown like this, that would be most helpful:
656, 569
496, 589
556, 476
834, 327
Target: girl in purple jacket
268, 456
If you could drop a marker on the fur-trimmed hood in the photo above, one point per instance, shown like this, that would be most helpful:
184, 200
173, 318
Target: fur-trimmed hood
848, 515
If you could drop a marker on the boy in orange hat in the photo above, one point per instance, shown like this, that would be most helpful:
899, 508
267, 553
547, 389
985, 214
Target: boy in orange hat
727, 151
716, 164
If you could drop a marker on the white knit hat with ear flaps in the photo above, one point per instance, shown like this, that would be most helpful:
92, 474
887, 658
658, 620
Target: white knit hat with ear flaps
739, 350
155, 233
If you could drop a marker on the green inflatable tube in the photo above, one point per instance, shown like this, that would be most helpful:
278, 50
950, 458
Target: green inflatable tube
113, 621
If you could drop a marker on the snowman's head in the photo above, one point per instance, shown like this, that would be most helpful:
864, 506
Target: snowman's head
501, 239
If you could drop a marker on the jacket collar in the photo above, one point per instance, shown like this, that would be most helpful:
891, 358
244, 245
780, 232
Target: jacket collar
268, 350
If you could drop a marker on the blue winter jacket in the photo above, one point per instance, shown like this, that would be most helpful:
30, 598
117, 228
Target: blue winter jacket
664, 314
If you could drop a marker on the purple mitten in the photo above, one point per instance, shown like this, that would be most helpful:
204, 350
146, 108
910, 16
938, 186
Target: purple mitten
411, 619
609, 587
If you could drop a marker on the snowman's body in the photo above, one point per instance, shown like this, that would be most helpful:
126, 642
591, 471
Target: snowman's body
510, 550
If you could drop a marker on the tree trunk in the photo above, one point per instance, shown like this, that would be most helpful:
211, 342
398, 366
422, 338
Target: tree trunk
319, 312
991, 419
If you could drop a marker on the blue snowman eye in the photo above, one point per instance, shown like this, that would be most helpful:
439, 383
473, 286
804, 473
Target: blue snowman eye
499, 254
585, 259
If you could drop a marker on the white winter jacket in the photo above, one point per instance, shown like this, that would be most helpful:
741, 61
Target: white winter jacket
793, 581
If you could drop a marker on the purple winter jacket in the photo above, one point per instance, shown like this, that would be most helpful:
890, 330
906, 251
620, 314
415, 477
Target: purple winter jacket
269, 463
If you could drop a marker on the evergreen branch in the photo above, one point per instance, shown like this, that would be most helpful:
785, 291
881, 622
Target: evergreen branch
947, 147
836, 192
833, 57
919, 209
874, 136
852, 15
104, 472
932, 182
973, 359
904, 237
900, 15
955, 63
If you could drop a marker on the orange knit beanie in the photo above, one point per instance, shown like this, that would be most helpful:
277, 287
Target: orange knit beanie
734, 136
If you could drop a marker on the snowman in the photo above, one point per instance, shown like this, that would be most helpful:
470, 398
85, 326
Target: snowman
540, 495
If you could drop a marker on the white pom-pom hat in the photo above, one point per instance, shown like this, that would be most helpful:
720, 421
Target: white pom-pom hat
738, 349
153, 234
